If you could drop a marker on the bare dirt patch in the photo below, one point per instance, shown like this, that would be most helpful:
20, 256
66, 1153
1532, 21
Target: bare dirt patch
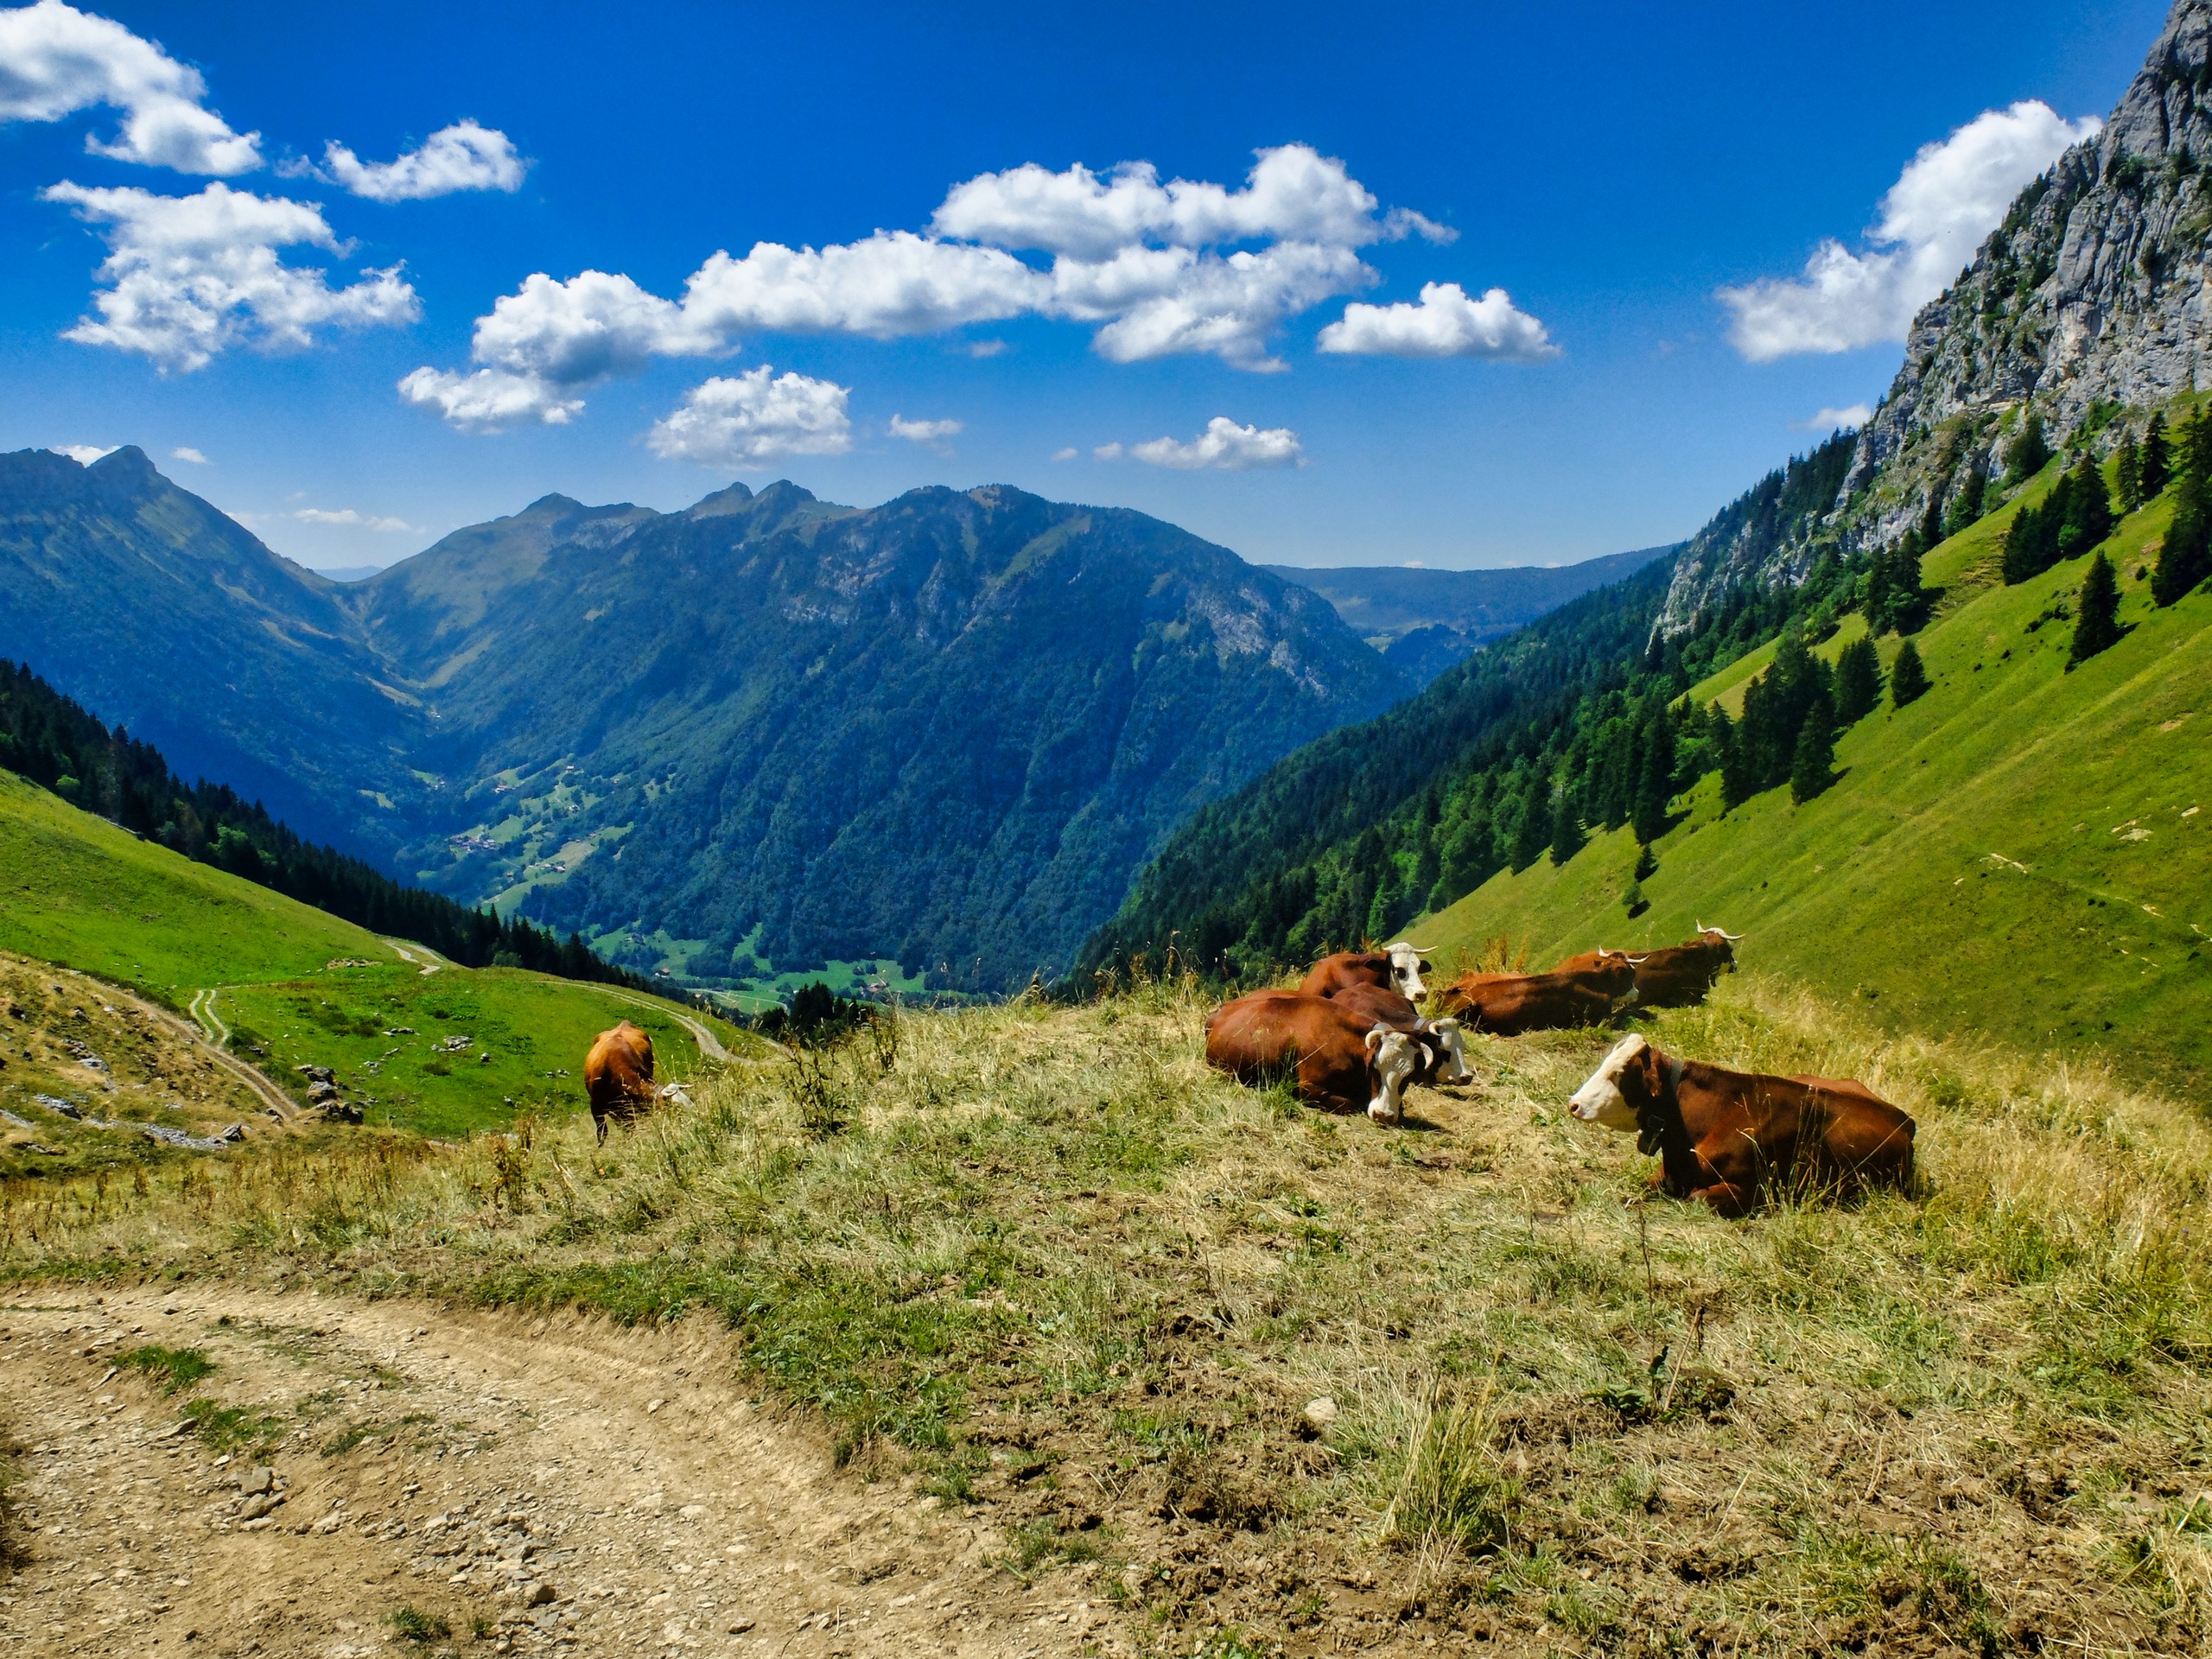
538, 1486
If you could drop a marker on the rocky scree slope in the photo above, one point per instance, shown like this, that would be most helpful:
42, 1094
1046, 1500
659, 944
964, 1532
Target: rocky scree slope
2091, 296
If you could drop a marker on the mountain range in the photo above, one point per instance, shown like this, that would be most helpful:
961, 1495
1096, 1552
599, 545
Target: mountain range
1423, 621
762, 733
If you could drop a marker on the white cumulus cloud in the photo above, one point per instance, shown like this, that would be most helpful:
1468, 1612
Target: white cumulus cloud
750, 421
923, 431
83, 453
186, 452
463, 156
1157, 268
56, 59
1293, 193
1836, 420
187, 277
1067, 454
350, 518
1950, 196
1223, 446
1444, 323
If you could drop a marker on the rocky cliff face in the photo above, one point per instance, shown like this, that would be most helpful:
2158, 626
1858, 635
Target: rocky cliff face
2092, 294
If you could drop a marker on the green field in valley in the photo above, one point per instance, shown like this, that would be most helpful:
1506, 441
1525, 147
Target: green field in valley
292, 986
2024, 853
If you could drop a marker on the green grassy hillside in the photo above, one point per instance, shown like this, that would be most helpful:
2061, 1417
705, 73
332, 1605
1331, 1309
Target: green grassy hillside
2022, 852
292, 985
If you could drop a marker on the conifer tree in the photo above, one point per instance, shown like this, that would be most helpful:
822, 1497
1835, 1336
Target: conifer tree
2156, 466
1655, 785
1858, 682
2030, 452
1931, 521
1968, 507
2096, 614
1908, 678
2186, 558
1877, 602
1567, 828
2130, 477
2088, 522
1904, 599
1812, 770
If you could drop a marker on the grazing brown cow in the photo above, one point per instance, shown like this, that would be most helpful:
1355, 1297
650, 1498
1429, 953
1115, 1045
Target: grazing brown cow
1731, 1137
1679, 975
1394, 967
1444, 1050
619, 1076
1506, 1004
1333, 1056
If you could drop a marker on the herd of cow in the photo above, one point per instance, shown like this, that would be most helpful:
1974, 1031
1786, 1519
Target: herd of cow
1352, 1034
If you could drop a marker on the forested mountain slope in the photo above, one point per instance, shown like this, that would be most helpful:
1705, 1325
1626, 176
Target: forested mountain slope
761, 734
168, 619
2024, 851
944, 730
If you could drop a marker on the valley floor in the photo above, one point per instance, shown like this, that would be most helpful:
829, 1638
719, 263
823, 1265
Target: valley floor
1082, 1347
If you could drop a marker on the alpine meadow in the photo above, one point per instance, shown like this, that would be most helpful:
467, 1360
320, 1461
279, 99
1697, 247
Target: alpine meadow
1215, 1030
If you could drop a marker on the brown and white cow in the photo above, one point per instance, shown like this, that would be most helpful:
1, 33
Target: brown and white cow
1679, 975
1444, 1049
1733, 1137
1333, 1056
1395, 967
1506, 1004
619, 1077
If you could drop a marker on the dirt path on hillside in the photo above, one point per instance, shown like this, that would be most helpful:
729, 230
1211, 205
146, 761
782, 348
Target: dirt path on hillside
710, 1045
540, 1486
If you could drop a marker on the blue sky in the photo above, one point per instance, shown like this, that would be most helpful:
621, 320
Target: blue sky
1612, 168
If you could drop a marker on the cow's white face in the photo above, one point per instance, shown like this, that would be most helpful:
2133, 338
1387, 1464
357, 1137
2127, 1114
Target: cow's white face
1394, 1060
1600, 1101
1455, 1069
1406, 967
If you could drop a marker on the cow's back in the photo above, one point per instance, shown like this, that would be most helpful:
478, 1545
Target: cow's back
619, 1069
1345, 970
1272, 1034
1679, 975
1510, 1004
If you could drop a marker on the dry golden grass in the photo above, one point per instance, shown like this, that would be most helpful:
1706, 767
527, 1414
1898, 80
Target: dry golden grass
1040, 1259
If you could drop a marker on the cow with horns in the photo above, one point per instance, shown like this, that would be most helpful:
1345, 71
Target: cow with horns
1395, 967
1444, 1049
1507, 1005
1731, 1138
1333, 1056
1679, 975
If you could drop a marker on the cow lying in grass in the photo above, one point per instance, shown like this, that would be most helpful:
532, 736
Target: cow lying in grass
1679, 975
619, 1077
1394, 967
1333, 1056
1444, 1052
1506, 1004
1731, 1138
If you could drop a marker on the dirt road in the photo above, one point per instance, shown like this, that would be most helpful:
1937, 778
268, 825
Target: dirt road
542, 1486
